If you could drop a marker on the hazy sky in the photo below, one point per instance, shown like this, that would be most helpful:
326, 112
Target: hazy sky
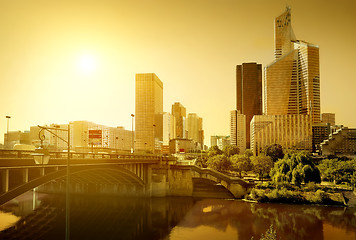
69, 60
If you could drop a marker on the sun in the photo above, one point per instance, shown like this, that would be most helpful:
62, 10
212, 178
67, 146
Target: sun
87, 64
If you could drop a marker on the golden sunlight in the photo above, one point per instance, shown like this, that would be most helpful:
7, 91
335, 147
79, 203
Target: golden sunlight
87, 64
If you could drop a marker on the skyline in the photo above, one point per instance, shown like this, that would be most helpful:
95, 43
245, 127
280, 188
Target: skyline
96, 48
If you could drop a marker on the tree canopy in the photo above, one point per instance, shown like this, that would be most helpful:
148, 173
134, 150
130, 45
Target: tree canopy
262, 165
274, 151
295, 168
231, 150
219, 163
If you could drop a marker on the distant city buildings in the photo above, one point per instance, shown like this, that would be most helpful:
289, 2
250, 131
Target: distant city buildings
108, 138
249, 93
220, 141
179, 119
195, 129
238, 130
148, 112
186, 130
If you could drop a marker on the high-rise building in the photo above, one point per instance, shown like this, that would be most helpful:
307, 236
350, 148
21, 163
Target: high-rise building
328, 118
238, 130
148, 112
195, 129
292, 81
249, 93
179, 115
290, 131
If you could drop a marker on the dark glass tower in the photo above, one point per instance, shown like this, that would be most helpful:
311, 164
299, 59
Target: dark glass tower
249, 93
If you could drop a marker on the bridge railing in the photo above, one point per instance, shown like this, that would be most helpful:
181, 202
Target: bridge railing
218, 175
23, 154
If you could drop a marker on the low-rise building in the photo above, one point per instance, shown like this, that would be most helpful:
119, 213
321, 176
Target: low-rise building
340, 142
290, 131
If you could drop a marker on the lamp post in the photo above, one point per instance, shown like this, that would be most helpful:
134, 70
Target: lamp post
154, 138
133, 143
7, 131
49, 129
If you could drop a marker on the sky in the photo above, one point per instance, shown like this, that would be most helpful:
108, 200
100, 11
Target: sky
71, 60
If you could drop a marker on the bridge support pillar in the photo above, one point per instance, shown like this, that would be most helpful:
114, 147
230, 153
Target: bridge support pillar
25, 175
237, 190
5, 180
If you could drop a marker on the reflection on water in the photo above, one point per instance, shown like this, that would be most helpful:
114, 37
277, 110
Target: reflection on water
99, 217
209, 219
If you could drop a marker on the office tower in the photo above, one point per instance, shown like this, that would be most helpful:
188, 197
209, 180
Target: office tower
328, 118
238, 130
168, 122
148, 112
292, 84
290, 131
283, 34
195, 128
249, 93
179, 115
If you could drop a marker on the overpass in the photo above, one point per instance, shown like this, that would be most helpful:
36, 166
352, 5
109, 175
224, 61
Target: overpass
118, 174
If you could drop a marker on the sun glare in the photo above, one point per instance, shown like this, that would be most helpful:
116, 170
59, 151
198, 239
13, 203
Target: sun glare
87, 64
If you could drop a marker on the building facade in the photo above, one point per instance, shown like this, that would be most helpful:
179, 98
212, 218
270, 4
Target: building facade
292, 81
328, 118
321, 132
249, 92
290, 131
195, 129
238, 130
220, 141
340, 142
179, 116
148, 112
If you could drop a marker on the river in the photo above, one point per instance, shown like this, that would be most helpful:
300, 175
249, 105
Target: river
42, 216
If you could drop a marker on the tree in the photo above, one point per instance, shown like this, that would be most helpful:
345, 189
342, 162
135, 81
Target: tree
219, 163
337, 170
295, 168
248, 153
213, 151
231, 150
262, 165
241, 163
274, 151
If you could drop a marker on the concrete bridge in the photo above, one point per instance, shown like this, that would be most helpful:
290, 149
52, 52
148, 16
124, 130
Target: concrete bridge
114, 174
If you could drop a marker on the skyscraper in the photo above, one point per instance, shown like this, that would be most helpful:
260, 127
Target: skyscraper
195, 128
249, 93
149, 112
238, 130
292, 84
179, 115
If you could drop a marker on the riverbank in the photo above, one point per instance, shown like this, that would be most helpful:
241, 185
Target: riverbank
307, 195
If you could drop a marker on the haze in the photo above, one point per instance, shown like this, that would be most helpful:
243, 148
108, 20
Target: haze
65, 60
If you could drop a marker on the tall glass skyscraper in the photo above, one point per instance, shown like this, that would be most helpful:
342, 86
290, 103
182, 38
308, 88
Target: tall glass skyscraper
249, 93
292, 81
149, 112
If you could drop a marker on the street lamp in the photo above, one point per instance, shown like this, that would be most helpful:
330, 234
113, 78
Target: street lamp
154, 138
49, 129
133, 143
7, 131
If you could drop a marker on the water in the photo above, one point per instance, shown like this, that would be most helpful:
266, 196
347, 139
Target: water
42, 216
